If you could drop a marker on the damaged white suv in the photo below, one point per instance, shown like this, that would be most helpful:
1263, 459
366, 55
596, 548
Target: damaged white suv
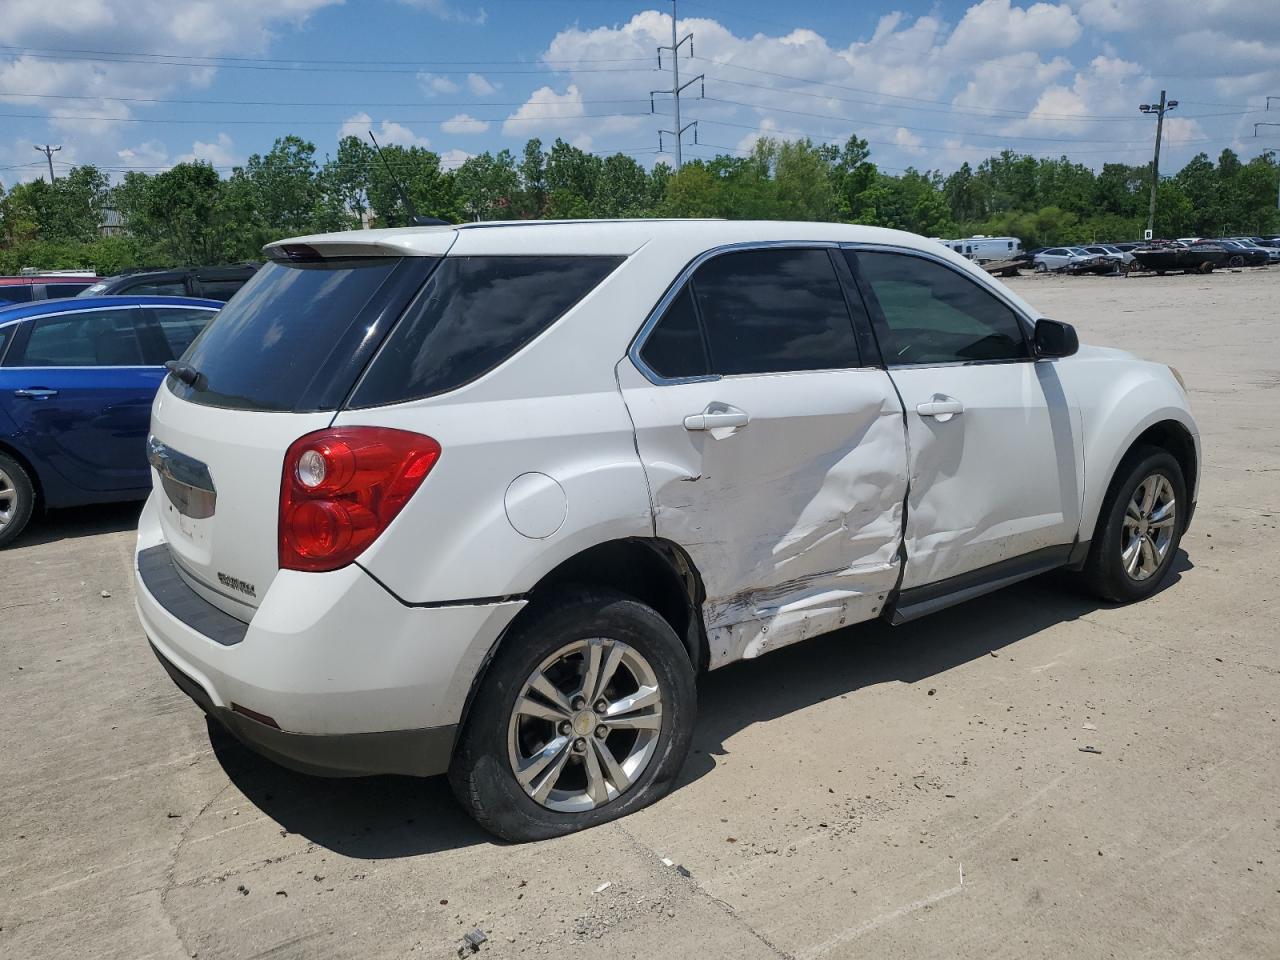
488, 498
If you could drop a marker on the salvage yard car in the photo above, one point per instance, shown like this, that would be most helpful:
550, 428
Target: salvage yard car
487, 498
77, 377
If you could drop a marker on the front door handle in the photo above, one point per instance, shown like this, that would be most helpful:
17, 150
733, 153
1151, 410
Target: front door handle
717, 416
941, 407
35, 393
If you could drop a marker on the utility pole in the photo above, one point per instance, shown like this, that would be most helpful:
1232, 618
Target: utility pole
677, 87
1159, 110
48, 150
1255, 133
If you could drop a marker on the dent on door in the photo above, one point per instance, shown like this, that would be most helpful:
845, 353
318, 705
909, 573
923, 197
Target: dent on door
794, 522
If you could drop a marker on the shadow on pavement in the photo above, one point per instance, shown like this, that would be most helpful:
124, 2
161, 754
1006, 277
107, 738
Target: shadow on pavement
74, 522
380, 817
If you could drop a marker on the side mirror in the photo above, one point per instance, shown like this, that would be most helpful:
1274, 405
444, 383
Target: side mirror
1053, 338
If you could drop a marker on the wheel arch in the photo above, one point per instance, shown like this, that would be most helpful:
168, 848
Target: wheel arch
653, 570
1165, 433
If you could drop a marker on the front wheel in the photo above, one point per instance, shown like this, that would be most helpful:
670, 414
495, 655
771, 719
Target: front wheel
1139, 529
1042, 268
585, 715
17, 499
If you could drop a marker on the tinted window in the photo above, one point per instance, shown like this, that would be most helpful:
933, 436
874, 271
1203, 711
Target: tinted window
180, 327
222, 290
4, 338
56, 291
674, 347
936, 315
96, 338
172, 288
777, 310
281, 343
15, 293
474, 313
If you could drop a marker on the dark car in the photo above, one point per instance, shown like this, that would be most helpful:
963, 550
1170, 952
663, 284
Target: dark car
53, 287
77, 377
211, 283
1242, 254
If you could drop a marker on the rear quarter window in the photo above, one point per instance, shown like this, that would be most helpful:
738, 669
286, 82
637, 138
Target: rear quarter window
472, 315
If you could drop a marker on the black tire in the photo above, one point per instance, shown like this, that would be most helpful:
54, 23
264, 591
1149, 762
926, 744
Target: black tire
1236, 261
481, 773
17, 498
1104, 572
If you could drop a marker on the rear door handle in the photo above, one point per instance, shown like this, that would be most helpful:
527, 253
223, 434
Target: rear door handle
35, 393
941, 407
715, 417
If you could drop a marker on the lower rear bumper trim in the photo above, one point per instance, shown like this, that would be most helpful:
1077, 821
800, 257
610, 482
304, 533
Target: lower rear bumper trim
418, 753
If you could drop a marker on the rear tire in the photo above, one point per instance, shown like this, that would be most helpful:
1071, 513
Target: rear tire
17, 499
1042, 268
1139, 529
536, 712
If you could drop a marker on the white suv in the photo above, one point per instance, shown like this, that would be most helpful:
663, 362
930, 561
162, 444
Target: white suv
488, 498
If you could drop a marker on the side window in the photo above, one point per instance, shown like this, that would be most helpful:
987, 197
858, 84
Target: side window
181, 326
473, 314
674, 347
220, 289
15, 293
5, 336
936, 315
774, 311
97, 338
173, 288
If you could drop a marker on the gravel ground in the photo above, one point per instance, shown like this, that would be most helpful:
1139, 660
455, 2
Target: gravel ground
908, 792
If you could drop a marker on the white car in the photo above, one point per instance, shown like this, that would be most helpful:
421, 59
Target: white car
1121, 257
489, 498
1059, 258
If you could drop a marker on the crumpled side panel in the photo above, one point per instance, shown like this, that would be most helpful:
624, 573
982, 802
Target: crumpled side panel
793, 522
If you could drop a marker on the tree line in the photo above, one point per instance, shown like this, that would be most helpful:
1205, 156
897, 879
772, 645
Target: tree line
190, 214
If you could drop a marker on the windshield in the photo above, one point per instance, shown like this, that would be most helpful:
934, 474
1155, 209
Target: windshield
93, 289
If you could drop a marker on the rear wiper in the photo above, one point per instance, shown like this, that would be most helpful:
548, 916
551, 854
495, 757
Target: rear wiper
188, 374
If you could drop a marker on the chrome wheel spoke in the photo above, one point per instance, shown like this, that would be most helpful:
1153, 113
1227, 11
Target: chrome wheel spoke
1132, 555
546, 688
610, 666
529, 707
614, 769
591, 671
597, 786
642, 698
541, 771
1149, 487
1149, 562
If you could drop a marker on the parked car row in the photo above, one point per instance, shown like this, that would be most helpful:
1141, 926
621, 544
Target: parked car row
211, 283
1186, 253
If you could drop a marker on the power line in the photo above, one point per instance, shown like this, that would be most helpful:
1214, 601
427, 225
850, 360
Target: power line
193, 59
314, 123
536, 71
303, 103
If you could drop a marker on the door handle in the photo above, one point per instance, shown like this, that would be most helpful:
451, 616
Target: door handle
715, 417
35, 393
941, 407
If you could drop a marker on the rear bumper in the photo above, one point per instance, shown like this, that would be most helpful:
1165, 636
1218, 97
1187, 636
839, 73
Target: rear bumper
355, 681
421, 753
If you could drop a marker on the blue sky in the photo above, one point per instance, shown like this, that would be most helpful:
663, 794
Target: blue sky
142, 84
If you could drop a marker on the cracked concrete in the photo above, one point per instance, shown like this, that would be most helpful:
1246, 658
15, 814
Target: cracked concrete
881, 792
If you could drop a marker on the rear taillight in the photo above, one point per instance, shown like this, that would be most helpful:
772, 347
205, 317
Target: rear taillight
342, 487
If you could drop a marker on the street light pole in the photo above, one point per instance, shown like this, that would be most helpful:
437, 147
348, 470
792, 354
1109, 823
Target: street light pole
1255, 133
1160, 109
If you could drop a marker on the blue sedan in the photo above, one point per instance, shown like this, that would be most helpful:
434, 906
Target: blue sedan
77, 378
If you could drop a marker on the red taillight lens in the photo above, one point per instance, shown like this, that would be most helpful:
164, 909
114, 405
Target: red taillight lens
342, 487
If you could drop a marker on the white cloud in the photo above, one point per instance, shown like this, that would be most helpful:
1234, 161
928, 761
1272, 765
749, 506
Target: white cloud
444, 10
387, 131
153, 156
907, 140
452, 159
432, 84
220, 152
995, 27
463, 123
480, 85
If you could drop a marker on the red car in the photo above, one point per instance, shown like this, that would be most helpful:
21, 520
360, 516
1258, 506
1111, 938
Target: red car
56, 286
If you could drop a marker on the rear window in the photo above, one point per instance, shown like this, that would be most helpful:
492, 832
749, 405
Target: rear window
297, 334
474, 313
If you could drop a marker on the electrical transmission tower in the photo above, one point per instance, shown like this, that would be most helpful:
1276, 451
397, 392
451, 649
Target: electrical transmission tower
48, 150
677, 87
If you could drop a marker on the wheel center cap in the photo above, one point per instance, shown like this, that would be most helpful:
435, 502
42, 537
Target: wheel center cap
584, 723
1142, 527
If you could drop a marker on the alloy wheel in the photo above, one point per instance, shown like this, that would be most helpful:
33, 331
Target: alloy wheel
8, 499
585, 725
1149, 524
